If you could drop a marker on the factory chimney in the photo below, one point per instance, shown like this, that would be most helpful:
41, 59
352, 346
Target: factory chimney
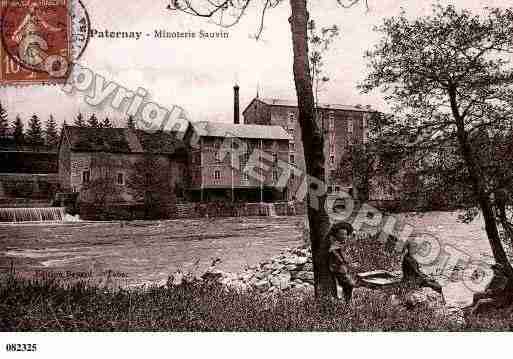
236, 111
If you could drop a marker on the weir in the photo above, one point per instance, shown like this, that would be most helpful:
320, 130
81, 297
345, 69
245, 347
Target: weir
270, 210
54, 214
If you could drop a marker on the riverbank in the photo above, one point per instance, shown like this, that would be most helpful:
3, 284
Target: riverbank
34, 305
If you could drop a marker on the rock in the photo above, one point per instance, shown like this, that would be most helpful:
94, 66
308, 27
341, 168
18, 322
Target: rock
262, 285
176, 279
306, 276
291, 267
281, 281
308, 267
162, 283
298, 260
275, 266
260, 275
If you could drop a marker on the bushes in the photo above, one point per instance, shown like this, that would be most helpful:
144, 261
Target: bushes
34, 305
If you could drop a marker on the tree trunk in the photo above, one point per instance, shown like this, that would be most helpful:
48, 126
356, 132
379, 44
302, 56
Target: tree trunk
313, 144
479, 189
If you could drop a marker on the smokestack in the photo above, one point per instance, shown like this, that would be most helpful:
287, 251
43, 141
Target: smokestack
236, 112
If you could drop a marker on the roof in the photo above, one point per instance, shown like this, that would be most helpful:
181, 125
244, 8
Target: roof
222, 129
327, 106
121, 140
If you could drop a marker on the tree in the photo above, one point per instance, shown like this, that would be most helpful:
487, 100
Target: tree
52, 137
19, 137
102, 190
319, 42
355, 166
34, 135
150, 182
106, 123
449, 79
79, 121
4, 124
313, 141
130, 123
93, 121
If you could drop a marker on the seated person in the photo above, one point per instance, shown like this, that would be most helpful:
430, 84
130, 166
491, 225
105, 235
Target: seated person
338, 262
411, 270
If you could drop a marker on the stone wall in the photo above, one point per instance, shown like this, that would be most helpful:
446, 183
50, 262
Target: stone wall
226, 209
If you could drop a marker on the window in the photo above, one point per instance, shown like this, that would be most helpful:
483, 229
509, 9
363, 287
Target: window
331, 121
292, 146
337, 189
217, 156
275, 175
217, 175
245, 160
292, 118
245, 177
292, 159
350, 126
120, 179
365, 135
332, 160
330, 189
86, 177
275, 157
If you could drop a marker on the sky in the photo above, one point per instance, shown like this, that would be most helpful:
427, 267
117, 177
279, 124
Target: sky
199, 74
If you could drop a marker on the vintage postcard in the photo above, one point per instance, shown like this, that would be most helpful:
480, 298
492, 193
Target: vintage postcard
255, 166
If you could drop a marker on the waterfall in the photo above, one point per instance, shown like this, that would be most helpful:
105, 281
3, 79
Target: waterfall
32, 214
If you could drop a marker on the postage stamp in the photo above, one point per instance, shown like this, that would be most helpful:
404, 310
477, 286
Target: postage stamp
40, 39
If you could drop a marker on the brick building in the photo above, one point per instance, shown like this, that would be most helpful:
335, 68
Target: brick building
342, 125
220, 153
88, 154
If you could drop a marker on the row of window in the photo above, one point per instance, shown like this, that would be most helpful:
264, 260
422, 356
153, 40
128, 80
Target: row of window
333, 189
86, 178
245, 176
331, 122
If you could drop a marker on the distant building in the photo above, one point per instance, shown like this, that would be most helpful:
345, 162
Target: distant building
220, 153
342, 126
87, 154
26, 171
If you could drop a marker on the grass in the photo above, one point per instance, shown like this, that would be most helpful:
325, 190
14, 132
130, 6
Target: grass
56, 305
36, 305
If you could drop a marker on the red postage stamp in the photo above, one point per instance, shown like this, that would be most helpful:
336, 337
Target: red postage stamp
36, 41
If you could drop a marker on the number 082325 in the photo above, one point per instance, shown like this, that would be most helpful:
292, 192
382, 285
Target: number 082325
11, 347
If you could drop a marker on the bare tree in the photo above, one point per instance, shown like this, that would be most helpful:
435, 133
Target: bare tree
228, 13
319, 42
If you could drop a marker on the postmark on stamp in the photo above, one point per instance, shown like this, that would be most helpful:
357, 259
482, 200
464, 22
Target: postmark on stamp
41, 39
